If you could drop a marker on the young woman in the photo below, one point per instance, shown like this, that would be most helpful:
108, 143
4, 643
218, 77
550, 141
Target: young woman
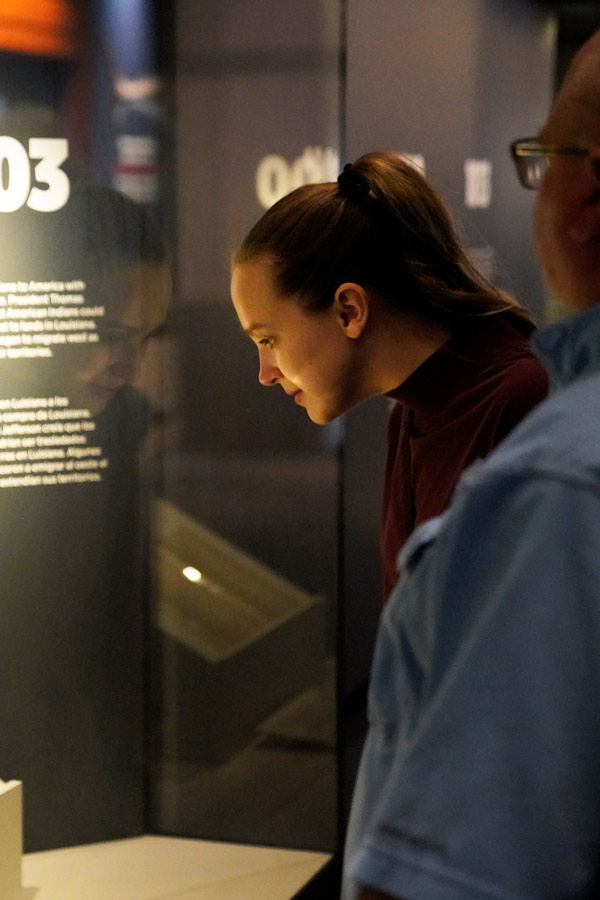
362, 287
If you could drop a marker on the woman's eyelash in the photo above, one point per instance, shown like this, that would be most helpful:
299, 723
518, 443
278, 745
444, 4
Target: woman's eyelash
266, 342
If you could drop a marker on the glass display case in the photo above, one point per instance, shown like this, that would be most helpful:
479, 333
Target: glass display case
190, 566
169, 559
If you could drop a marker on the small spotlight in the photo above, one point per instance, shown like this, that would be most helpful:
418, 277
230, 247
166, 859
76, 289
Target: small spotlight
192, 574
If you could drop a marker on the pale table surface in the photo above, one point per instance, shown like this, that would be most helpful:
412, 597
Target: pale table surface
165, 868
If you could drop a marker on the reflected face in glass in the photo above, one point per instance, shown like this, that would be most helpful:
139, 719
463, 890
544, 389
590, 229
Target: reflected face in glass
305, 353
135, 298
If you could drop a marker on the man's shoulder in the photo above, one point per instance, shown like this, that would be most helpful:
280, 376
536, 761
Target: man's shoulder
560, 437
548, 462
556, 447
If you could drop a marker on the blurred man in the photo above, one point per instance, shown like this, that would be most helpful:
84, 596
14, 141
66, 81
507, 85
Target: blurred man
74, 554
114, 248
481, 773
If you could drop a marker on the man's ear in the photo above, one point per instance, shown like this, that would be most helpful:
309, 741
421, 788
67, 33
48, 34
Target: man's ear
351, 306
586, 226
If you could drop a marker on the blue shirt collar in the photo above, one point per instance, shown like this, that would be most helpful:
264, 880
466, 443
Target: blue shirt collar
570, 349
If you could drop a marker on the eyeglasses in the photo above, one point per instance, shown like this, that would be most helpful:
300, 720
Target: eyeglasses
532, 159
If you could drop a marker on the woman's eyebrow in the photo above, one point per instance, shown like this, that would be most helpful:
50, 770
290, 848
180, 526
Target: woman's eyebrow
255, 326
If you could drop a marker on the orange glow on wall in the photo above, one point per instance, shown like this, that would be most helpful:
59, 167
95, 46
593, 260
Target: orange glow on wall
45, 27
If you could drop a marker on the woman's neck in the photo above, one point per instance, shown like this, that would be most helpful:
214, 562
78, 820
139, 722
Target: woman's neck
400, 343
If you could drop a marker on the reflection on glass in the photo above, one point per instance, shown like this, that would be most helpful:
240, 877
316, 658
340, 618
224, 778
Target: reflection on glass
84, 288
241, 566
82, 291
78, 308
248, 493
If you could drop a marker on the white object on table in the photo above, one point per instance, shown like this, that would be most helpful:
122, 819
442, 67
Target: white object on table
166, 868
11, 839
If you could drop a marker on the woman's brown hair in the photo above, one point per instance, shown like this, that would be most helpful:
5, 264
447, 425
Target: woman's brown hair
382, 225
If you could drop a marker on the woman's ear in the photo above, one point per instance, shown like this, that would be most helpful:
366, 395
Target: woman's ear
351, 306
586, 226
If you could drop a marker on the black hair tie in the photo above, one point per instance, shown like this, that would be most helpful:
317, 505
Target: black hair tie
353, 184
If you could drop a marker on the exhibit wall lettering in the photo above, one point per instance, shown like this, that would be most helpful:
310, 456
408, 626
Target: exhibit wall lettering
84, 289
78, 297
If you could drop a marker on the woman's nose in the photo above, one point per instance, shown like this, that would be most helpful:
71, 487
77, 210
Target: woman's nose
268, 374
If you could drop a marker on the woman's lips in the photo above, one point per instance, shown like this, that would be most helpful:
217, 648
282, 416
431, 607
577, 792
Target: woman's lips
296, 395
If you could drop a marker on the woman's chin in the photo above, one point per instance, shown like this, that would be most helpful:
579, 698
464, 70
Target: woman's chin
320, 416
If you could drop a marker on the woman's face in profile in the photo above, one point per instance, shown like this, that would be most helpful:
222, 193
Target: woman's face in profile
306, 353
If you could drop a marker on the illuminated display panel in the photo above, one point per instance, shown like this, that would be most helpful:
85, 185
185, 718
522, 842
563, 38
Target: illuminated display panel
47, 27
84, 287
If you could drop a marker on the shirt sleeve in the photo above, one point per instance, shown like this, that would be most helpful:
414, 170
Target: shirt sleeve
481, 772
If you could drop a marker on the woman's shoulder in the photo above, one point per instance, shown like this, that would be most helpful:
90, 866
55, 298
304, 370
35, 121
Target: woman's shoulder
510, 359
518, 389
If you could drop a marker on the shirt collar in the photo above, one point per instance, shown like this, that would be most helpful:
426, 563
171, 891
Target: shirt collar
442, 376
570, 349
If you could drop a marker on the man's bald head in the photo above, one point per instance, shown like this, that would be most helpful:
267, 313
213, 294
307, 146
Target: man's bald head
576, 109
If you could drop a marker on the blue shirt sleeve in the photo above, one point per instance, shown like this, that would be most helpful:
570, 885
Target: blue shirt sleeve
481, 772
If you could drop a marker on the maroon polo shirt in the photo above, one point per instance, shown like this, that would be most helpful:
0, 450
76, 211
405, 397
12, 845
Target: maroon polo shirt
455, 408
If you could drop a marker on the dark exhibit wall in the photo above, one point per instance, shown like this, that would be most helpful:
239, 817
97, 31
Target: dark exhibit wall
453, 85
449, 77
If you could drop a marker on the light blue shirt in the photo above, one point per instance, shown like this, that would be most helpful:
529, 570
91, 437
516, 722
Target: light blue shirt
480, 777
